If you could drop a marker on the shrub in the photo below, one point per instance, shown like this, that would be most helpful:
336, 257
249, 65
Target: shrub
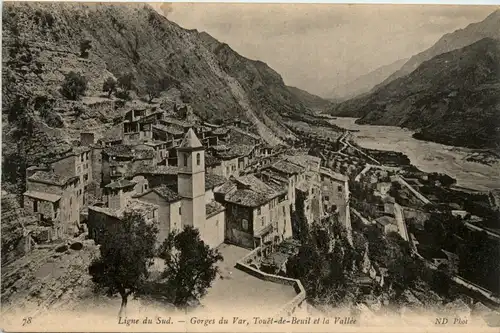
109, 86
85, 46
74, 86
126, 81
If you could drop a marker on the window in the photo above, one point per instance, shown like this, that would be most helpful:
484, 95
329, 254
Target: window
185, 160
339, 188
180, 211
327, 198
155, 213
198, 159
35, 206
284, 210
262, 221
145, 187
244, 224
81, 157
78, 169
85, 177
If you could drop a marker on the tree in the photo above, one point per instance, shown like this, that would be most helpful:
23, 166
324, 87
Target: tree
190, 266
126, 81
74, 86
109, 86
85, 46
125, 257
153, 89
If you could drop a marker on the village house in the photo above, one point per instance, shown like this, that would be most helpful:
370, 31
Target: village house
55, 198
117, 159
188, 200
290, 172
234, 159
386, 224
257, 213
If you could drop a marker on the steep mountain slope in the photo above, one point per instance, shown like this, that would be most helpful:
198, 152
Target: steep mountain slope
312, 102
452, 98
366, 82
489, 27
42, 42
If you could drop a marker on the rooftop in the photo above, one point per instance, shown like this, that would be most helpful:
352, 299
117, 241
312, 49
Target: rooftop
306, 161
287, 167
220, 131
250, 191
50, 178
190, 140
213, 180
122, 183
385, 220
237, 151
42, 196
164, 192
211, 160
212, 208
133, 205
169, 129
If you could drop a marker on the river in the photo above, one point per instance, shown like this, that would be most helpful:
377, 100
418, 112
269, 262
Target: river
425, 155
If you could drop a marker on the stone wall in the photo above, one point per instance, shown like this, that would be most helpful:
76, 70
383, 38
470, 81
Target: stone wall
289, 307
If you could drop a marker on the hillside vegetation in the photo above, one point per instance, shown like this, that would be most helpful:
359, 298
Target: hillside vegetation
44, 42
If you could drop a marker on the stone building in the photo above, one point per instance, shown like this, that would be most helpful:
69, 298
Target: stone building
187, 200
56, 199
257, 213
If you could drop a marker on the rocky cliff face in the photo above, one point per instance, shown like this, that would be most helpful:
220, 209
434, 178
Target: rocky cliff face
450, 99
41, 43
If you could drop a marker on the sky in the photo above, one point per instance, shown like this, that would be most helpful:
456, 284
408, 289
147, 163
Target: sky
317, 47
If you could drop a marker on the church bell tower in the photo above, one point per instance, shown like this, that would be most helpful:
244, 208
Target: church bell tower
191, 180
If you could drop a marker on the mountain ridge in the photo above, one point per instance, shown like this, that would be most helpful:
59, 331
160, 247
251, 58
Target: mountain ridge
366, 82
489, 27
451, 98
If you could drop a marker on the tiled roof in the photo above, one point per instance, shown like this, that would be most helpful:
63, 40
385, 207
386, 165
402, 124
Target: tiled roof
212, 180
220, 131
146, 168
252, 192
166, 193
190, 140
50, 178
385, 220
211, 160
169, 129
304, 160
119, 151
237, 151
42, 196
213, 208
133, 205
122, 183
144, 154
287, 167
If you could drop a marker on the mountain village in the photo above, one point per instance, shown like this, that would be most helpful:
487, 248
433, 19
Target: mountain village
300, 219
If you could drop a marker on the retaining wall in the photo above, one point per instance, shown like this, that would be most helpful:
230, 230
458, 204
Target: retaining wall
289, 307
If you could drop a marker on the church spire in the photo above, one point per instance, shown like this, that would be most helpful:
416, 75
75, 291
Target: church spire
190, 141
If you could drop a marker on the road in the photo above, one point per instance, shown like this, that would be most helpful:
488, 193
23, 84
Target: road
398, 213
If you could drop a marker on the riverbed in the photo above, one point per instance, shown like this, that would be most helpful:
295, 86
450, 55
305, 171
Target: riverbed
425, 155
